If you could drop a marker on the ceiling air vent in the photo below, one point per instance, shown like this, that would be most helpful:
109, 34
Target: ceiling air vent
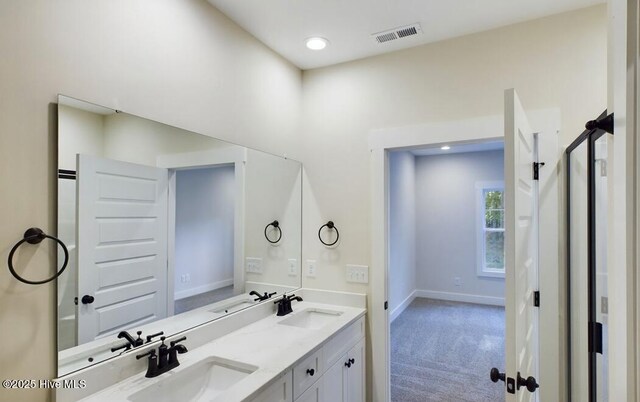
397, 33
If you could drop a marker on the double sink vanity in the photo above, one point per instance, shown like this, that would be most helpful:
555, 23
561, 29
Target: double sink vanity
183, 277
315, 353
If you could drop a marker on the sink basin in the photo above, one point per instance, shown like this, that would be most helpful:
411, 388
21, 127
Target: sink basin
233, 307
202, 381
311, 318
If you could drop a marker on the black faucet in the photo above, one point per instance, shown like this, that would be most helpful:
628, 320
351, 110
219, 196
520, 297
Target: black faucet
167, 358
134, 343
284, 304
266, 295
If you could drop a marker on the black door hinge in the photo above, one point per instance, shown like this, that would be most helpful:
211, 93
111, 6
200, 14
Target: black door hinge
536, 298
386, 305
536, 170
595, 337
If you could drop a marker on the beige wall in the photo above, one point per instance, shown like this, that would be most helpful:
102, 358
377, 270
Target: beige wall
176, 61
558, 61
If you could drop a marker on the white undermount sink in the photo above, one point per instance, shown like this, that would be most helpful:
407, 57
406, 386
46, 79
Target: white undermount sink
202, 381
311, 318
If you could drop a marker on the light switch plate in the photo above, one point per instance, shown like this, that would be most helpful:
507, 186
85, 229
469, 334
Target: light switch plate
311, 268
357, 273
254, 265
293, 267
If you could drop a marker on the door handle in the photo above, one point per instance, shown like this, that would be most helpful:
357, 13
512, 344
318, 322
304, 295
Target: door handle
529, 382
496, 375
87, 299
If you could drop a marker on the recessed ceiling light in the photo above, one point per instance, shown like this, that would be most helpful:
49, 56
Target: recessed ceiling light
445, 148
316, 43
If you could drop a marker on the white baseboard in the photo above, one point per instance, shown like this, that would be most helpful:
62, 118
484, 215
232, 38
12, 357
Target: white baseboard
202, 288
405, 303
460, 297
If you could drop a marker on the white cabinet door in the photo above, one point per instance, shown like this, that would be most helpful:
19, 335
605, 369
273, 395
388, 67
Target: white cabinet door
313, 394
278, 391
354, 374
333, 382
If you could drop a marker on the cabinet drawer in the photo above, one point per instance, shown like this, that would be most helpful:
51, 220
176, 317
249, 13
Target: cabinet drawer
278, 391
337, 346
307, 372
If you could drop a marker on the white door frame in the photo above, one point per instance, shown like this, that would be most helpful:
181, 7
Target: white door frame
552, 278
236, 156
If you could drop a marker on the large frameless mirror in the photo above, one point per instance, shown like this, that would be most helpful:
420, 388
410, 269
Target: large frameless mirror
166, 229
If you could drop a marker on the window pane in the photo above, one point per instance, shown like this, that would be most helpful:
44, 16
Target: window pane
493, 199
494, 218
494, 250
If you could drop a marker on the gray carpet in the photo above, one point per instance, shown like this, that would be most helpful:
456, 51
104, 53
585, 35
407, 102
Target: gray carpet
443, 351
202, 299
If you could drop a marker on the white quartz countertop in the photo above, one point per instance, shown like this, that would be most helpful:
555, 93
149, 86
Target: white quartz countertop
271, 347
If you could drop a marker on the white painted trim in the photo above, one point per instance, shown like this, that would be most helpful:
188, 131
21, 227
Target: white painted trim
402, 307
491, 128
460, 297
181, 294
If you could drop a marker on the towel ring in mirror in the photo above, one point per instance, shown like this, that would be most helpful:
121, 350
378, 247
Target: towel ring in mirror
35, 236
276, 225
328, 225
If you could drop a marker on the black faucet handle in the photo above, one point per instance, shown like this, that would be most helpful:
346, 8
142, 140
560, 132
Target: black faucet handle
162, 338
150, 337
176, 341
271, 294
151, 353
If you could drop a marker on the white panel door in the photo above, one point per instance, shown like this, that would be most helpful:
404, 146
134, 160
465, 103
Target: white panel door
521, 248
122, 245
334, 382
355, 383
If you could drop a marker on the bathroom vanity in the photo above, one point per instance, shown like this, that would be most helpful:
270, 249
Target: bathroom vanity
315, 353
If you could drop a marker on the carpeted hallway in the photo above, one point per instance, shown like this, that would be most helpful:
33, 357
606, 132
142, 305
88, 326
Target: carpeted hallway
442, 351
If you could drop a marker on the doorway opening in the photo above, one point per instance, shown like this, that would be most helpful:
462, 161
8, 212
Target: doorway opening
204, 232
446, 271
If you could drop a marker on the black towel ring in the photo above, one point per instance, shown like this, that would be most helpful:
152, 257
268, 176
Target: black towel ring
35, 236
328, 225
276, 225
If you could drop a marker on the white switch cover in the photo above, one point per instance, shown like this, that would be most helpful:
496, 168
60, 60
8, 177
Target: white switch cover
311, 268
293, 267
254, 265
358, 273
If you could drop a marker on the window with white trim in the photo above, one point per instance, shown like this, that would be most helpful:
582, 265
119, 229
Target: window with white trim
490, 228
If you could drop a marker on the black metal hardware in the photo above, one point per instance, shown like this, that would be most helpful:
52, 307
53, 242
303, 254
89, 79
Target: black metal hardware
347, 364
511, 385
152, 367
260, 297
536, 170
603, 123
311, 372
133, 342
328, 225
35, 236
150, 337
276, 225
529, 382
496, 375
595, 337
536, 298
167, 358
386, 305
87, 299
284, 304
352, 361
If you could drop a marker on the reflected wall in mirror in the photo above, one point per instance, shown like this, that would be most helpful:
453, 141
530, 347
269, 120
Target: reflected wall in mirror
166, 228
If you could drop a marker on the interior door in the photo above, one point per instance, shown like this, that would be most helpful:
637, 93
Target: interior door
122, 245
521, 249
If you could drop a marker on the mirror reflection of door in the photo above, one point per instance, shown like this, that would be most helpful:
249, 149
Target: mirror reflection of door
165, 229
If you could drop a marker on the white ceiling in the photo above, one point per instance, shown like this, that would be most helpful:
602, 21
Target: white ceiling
460, 148
283, 25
